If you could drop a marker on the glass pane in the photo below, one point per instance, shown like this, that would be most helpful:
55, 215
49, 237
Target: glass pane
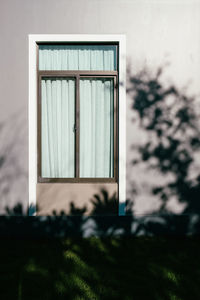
96, 127
76, 57
57, 121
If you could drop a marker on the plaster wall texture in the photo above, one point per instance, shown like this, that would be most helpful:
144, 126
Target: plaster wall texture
157, 32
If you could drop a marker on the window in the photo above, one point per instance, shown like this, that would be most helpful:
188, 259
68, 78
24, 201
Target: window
74, 139
77, 113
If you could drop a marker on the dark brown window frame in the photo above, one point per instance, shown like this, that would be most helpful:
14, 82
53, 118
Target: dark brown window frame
77, 75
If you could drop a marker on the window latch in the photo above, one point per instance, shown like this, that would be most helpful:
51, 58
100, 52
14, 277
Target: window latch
75, 128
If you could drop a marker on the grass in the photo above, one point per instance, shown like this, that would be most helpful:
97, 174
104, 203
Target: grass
96, 268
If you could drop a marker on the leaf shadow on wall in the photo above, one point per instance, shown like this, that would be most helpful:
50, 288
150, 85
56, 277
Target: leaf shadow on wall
170, 120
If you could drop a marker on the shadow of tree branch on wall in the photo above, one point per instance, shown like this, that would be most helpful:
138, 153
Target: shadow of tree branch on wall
102, 220
13, 162
170, 120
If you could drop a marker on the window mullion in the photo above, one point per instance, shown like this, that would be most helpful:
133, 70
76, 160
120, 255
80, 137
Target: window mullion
77, 125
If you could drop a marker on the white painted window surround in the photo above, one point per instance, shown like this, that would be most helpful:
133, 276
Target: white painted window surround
33, 39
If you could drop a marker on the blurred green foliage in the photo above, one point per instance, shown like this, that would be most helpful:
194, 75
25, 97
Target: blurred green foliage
100, 268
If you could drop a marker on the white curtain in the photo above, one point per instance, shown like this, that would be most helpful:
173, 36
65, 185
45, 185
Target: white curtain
58, 138
96, 128
86, 57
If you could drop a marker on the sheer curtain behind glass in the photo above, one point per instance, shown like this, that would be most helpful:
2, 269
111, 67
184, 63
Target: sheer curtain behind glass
72, 57
96, 128
58, 110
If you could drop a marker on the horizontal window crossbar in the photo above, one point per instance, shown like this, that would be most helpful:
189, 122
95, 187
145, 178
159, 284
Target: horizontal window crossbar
77, 73
76, 180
